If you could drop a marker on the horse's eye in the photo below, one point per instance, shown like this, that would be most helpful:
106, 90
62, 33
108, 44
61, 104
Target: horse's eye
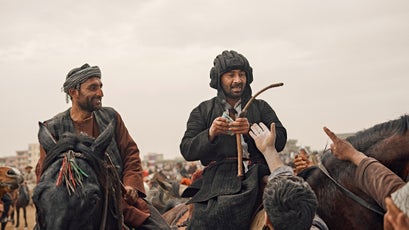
94, 200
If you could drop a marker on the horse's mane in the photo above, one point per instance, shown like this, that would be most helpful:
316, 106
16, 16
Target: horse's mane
362, 140
77, 143
366, 138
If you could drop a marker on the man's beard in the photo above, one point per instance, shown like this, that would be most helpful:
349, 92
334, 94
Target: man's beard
231, 95
90, 106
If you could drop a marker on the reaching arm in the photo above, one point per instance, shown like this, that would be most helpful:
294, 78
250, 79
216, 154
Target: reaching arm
371, 176
265, 142
343, 150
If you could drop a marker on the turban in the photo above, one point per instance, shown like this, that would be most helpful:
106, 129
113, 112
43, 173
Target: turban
401, 198
227, 61
78, 75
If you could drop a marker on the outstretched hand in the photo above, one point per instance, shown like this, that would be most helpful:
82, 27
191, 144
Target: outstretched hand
343, 150
263, 137
265, 140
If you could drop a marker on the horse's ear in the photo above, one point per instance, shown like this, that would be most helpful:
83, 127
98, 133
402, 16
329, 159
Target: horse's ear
104, 139
45, 137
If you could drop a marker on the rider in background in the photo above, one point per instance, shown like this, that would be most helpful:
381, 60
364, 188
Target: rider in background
83, 86
29, 181
221, 199
377, 181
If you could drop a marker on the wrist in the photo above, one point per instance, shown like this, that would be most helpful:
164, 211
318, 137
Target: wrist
357, 158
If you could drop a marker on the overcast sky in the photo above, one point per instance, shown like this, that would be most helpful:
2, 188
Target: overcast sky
344, 64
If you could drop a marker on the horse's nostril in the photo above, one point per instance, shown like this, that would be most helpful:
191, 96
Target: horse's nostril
11, 172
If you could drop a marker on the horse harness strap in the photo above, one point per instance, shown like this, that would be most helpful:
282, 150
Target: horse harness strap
351, 195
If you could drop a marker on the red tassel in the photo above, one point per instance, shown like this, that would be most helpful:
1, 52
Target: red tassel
62, 169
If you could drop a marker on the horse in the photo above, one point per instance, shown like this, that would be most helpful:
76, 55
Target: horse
165, 193
79, 187
10, 180
388, 142
21, 201
178, 217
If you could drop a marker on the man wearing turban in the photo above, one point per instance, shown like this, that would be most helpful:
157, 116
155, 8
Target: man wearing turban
87, 116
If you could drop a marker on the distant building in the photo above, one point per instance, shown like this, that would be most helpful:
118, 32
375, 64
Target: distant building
151, 159
344, 135
34, 154
23, 158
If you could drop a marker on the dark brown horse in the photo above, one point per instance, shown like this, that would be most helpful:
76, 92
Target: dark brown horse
22, 199
387, 142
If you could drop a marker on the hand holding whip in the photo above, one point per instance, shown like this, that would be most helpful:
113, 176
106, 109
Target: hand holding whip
238, 136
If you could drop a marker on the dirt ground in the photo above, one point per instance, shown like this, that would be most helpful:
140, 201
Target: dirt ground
30, 219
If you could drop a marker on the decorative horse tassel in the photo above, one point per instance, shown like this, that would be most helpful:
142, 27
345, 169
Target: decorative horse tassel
70, 173
62, 169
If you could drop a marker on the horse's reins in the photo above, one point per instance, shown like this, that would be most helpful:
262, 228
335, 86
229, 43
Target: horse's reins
238, 136
109, 165
6, 184
352, 195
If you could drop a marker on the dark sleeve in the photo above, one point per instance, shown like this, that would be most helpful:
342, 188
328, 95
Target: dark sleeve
132, 165
377, 180
195, 143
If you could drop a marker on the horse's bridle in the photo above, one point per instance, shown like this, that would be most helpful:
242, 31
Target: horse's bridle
108, 165
352, 195
7, 184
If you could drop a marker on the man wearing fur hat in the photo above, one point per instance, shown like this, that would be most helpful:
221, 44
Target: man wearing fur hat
87, 116
221, 199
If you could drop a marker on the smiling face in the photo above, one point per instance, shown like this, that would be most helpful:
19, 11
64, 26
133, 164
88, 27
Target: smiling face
233, 83
88, 97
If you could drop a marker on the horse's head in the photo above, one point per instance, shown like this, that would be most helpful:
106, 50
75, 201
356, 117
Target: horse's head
165, 193
71, 193
10, 179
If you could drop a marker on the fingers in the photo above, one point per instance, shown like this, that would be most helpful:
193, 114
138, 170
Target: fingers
257, 129
330, 134
272, 126
219, 126
131, 194
239, 126
254, 130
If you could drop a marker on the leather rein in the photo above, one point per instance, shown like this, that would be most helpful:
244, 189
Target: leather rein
353, 196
